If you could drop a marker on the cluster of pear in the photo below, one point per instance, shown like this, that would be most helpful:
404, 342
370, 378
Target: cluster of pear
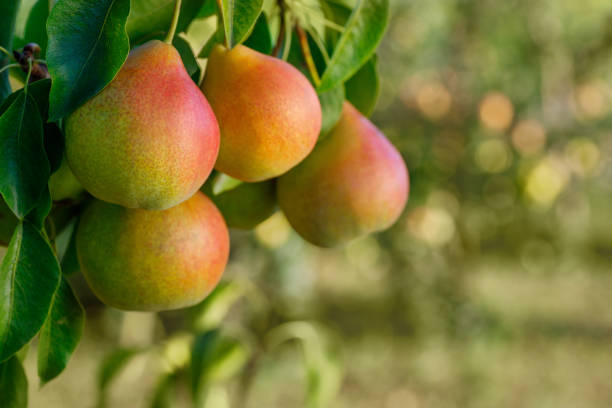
145, 146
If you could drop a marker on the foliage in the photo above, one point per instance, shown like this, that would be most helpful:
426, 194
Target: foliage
84, 43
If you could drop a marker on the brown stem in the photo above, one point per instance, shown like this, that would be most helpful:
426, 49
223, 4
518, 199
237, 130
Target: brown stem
312, 68
281, 31
28, 56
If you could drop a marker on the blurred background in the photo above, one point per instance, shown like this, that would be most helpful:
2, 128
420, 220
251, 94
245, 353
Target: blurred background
493, 289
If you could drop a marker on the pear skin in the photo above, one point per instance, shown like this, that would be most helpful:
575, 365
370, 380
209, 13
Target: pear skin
149, 139
268, 113
247, 205
355, 182
136, 259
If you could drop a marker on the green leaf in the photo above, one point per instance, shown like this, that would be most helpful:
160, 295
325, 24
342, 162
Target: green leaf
362, 33
223, 182
38, 215
331, 107
363, 88
111, 366
60, 333
8, 15
152, 17
88, 45
13, 384
189, 59
214, 358
54, 145
23, 353
323, 371
29, 277
24, 167
208, 9
53, 137
113, 363
212, 310
70, 262
39, 91
31, 24
239, 17
162, 396
260, 38
215, 39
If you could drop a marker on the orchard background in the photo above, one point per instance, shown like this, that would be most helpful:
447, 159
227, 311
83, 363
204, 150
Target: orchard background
494, 287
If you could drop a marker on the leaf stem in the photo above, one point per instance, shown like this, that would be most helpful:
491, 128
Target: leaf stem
281, 31
175, 18
5, 51
27, 81
312, 68
4, 68
221, 24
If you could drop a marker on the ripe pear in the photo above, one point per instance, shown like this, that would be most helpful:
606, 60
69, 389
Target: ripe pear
135, 259
245, 206
268, 113
63, 185
355, 182
149, 139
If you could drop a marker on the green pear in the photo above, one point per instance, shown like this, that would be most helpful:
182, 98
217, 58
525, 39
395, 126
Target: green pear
246, 205
136, 259
354, 183
149, 139
268, 113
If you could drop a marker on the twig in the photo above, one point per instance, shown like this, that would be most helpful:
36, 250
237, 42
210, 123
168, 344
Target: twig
312, 68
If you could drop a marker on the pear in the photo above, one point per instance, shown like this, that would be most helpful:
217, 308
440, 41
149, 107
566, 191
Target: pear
268, 113
135, 259
246, 205
355, 182
149, 139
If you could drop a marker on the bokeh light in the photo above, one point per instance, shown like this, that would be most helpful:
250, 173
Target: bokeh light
496, 111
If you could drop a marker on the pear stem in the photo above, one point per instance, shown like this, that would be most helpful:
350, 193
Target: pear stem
312, 68
175, 18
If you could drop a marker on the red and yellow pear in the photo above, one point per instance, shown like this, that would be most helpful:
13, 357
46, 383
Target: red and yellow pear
135, 259
149, 139
268, 113
355, 182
